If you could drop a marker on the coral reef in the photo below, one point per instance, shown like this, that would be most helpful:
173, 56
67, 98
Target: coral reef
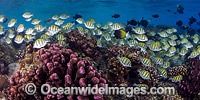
4, 82
190, 85
6, 57
80, 42
132, 53
117, 73
154, 79
174, 71
59, 67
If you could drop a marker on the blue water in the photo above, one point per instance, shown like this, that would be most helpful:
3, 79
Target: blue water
102, 10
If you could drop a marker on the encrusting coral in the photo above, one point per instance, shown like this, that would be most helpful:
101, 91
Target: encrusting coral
59, 67
80, 42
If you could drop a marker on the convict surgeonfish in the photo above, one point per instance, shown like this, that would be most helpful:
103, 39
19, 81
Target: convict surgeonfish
124, 61
144, 74
39, 43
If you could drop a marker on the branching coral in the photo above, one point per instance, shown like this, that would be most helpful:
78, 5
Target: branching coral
190, 85
60, 68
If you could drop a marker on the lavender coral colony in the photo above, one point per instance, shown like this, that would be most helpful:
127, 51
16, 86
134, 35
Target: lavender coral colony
58, 65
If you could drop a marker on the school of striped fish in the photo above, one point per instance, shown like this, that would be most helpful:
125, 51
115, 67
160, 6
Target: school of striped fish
166, 47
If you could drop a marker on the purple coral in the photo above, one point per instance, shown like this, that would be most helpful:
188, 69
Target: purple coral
190, 85
60, 68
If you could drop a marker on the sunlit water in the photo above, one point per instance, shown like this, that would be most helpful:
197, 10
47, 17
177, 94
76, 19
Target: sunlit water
102, 10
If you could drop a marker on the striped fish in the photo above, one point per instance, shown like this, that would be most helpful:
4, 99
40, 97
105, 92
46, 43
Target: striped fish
39, 28
177, 78
144, 74
138, 30
141, 37
132, 42
163, 72
166, 65
53, 29
158, 60
146, 61
155, 46
60, 37
172, 49
107, 37
20, 28
18, 39
141, 45
29, 31
12, 22
99, 43
196, 39
163, 34
124, 61
116, 26
173, 37
89, 25
193, 54
172, 42
166, 47
80, 20
183, 51
61, 42
188, 45
35, 21
39, 43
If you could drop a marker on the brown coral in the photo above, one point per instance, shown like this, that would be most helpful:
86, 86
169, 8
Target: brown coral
80, 42
153, 75
174, 71
117, 73
132, 53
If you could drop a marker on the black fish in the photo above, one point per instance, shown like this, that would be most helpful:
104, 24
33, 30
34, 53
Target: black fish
116, 16
132, 22
77, 16
179, 23
199, 14
143, 22
155, 16
168, 10
180, 9
49, 20
192, 20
